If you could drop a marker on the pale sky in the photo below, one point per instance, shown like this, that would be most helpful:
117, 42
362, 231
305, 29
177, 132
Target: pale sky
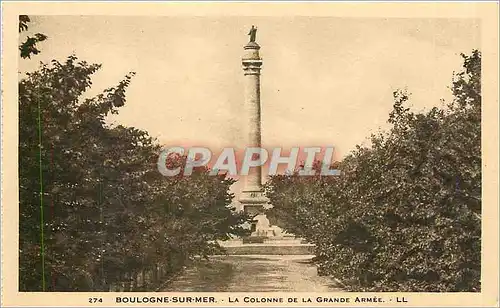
325, 81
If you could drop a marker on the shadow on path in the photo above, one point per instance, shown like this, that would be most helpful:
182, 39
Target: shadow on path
252, 274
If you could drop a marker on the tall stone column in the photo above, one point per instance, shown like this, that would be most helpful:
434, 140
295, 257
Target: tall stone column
252, 197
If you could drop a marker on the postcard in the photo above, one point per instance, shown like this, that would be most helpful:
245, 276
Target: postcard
250, 154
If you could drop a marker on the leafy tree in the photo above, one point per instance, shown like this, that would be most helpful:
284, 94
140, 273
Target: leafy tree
107, 215
405, 215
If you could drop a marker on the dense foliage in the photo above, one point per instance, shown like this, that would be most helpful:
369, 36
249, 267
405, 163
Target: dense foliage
405, 215
95, 213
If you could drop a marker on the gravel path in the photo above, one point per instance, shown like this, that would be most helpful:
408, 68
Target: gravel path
252, 274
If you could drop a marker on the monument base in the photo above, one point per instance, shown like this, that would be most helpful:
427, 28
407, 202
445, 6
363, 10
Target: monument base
264, 239
255, 203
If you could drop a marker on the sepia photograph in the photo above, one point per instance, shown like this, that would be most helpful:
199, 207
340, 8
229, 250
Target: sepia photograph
219, 153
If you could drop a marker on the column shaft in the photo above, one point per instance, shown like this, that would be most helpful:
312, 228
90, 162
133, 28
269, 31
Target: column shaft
253, 114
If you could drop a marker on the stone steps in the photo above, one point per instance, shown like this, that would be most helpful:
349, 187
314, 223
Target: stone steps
269, 247
260, 249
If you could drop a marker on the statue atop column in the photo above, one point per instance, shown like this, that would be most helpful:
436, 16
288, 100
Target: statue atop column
252, 33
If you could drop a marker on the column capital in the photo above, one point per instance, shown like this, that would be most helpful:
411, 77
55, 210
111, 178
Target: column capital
251, 66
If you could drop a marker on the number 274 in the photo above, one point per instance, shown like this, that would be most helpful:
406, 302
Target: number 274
95, 300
